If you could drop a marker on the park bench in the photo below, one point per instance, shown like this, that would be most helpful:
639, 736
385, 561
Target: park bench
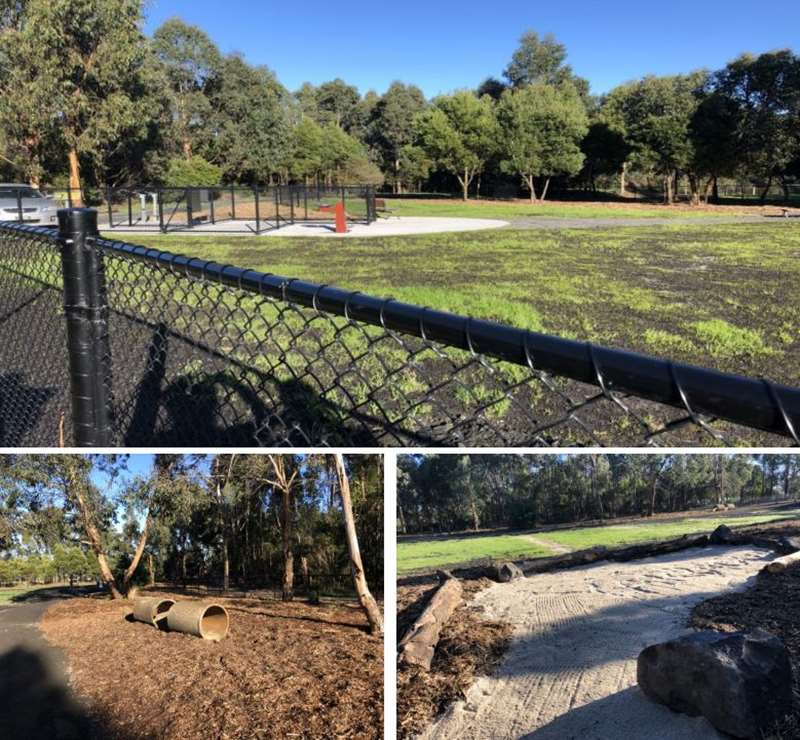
381, 209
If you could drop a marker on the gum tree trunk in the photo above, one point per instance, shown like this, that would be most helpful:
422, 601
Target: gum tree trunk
365, 598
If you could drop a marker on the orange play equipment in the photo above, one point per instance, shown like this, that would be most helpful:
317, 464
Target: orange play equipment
341, 216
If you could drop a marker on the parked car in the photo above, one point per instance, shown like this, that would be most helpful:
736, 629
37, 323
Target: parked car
36, 208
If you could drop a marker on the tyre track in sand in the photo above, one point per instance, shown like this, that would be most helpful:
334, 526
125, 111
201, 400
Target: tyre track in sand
570, 671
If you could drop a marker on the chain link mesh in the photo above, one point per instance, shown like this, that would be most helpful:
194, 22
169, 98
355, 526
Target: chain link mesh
196, 362
34, 371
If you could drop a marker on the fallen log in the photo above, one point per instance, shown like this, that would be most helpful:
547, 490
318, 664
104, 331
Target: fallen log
780, 564
651, 549
419, 644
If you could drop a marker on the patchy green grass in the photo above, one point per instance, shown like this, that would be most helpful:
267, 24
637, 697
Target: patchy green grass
718, 295
439, 553
725, 340
436, 553
626, 534
521, 209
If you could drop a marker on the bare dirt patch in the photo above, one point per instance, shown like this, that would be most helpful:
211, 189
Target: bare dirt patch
285, 670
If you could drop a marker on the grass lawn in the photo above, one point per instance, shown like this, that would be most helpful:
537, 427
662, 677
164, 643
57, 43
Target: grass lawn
436, 553
624, 534
719, 295
522, 209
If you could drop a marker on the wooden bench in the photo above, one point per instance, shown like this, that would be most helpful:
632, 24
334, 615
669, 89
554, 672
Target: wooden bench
381, 209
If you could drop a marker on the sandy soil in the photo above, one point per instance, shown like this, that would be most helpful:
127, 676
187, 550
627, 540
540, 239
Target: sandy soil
571, 668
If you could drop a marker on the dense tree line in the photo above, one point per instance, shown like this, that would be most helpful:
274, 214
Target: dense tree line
226, 519
87, 98
445, 493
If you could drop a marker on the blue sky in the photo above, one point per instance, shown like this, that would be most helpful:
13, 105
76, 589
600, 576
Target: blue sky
442, 45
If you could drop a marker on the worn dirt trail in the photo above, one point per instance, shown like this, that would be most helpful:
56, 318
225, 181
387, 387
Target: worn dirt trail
571, 669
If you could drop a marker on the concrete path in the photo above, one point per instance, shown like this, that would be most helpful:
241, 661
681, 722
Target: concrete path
570, 671
35, 698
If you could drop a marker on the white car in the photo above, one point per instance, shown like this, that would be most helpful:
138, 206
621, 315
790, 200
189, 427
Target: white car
35, 208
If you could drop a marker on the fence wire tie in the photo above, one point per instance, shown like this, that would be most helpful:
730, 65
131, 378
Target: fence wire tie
673, 373
314, 298
347, 305
285, 286
775, 398
381, 316
422, 323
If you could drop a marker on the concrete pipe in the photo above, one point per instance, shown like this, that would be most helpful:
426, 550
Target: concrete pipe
151, 609
209, 621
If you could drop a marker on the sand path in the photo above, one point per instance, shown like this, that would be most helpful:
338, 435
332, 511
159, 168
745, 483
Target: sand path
571, 669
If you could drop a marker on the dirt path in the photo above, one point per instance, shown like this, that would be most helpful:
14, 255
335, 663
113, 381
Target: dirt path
35, 699
554, 547
571, 669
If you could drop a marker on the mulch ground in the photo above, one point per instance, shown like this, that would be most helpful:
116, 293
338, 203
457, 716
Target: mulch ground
468, 647
772, 603
288, 670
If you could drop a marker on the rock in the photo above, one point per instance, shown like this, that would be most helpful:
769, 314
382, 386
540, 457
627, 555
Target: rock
788, 545
740, 682
722, 535
444, 575
730, 506
506, 572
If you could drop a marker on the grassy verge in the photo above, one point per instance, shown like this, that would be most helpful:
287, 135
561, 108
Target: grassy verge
715, 295
521, 209
448, 552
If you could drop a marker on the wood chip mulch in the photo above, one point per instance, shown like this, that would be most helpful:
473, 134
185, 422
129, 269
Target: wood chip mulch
286, 670
772, 603
468, 647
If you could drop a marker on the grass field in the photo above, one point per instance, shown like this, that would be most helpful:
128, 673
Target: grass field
719, 295
436, 553
522, 209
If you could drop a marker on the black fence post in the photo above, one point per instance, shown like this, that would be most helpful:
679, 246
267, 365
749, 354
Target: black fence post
189, 216
110, 210
233, 203
258, 214
291, 202
86, 311
19, 206
160, 196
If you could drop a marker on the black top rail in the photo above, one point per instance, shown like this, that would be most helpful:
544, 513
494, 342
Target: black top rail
753, 402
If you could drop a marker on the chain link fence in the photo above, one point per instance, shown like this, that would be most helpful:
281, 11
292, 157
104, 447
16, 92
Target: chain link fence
157, 349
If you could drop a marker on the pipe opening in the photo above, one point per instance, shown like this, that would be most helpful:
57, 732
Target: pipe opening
162, 608
214, 623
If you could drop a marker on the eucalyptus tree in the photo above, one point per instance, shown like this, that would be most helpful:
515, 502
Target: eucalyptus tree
191, 62
392, 128
94, 94
542, 127
460, 133
249, 120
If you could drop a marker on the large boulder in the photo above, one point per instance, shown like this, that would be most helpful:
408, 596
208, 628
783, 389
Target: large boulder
740, 682
505, 572
722, 535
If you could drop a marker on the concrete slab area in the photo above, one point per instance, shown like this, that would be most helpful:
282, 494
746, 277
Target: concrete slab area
394, 226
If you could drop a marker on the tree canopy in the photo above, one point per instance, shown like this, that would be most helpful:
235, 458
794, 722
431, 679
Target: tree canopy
87, 99
447, 493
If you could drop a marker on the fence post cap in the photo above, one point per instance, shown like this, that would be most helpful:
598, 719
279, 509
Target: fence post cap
72, 220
